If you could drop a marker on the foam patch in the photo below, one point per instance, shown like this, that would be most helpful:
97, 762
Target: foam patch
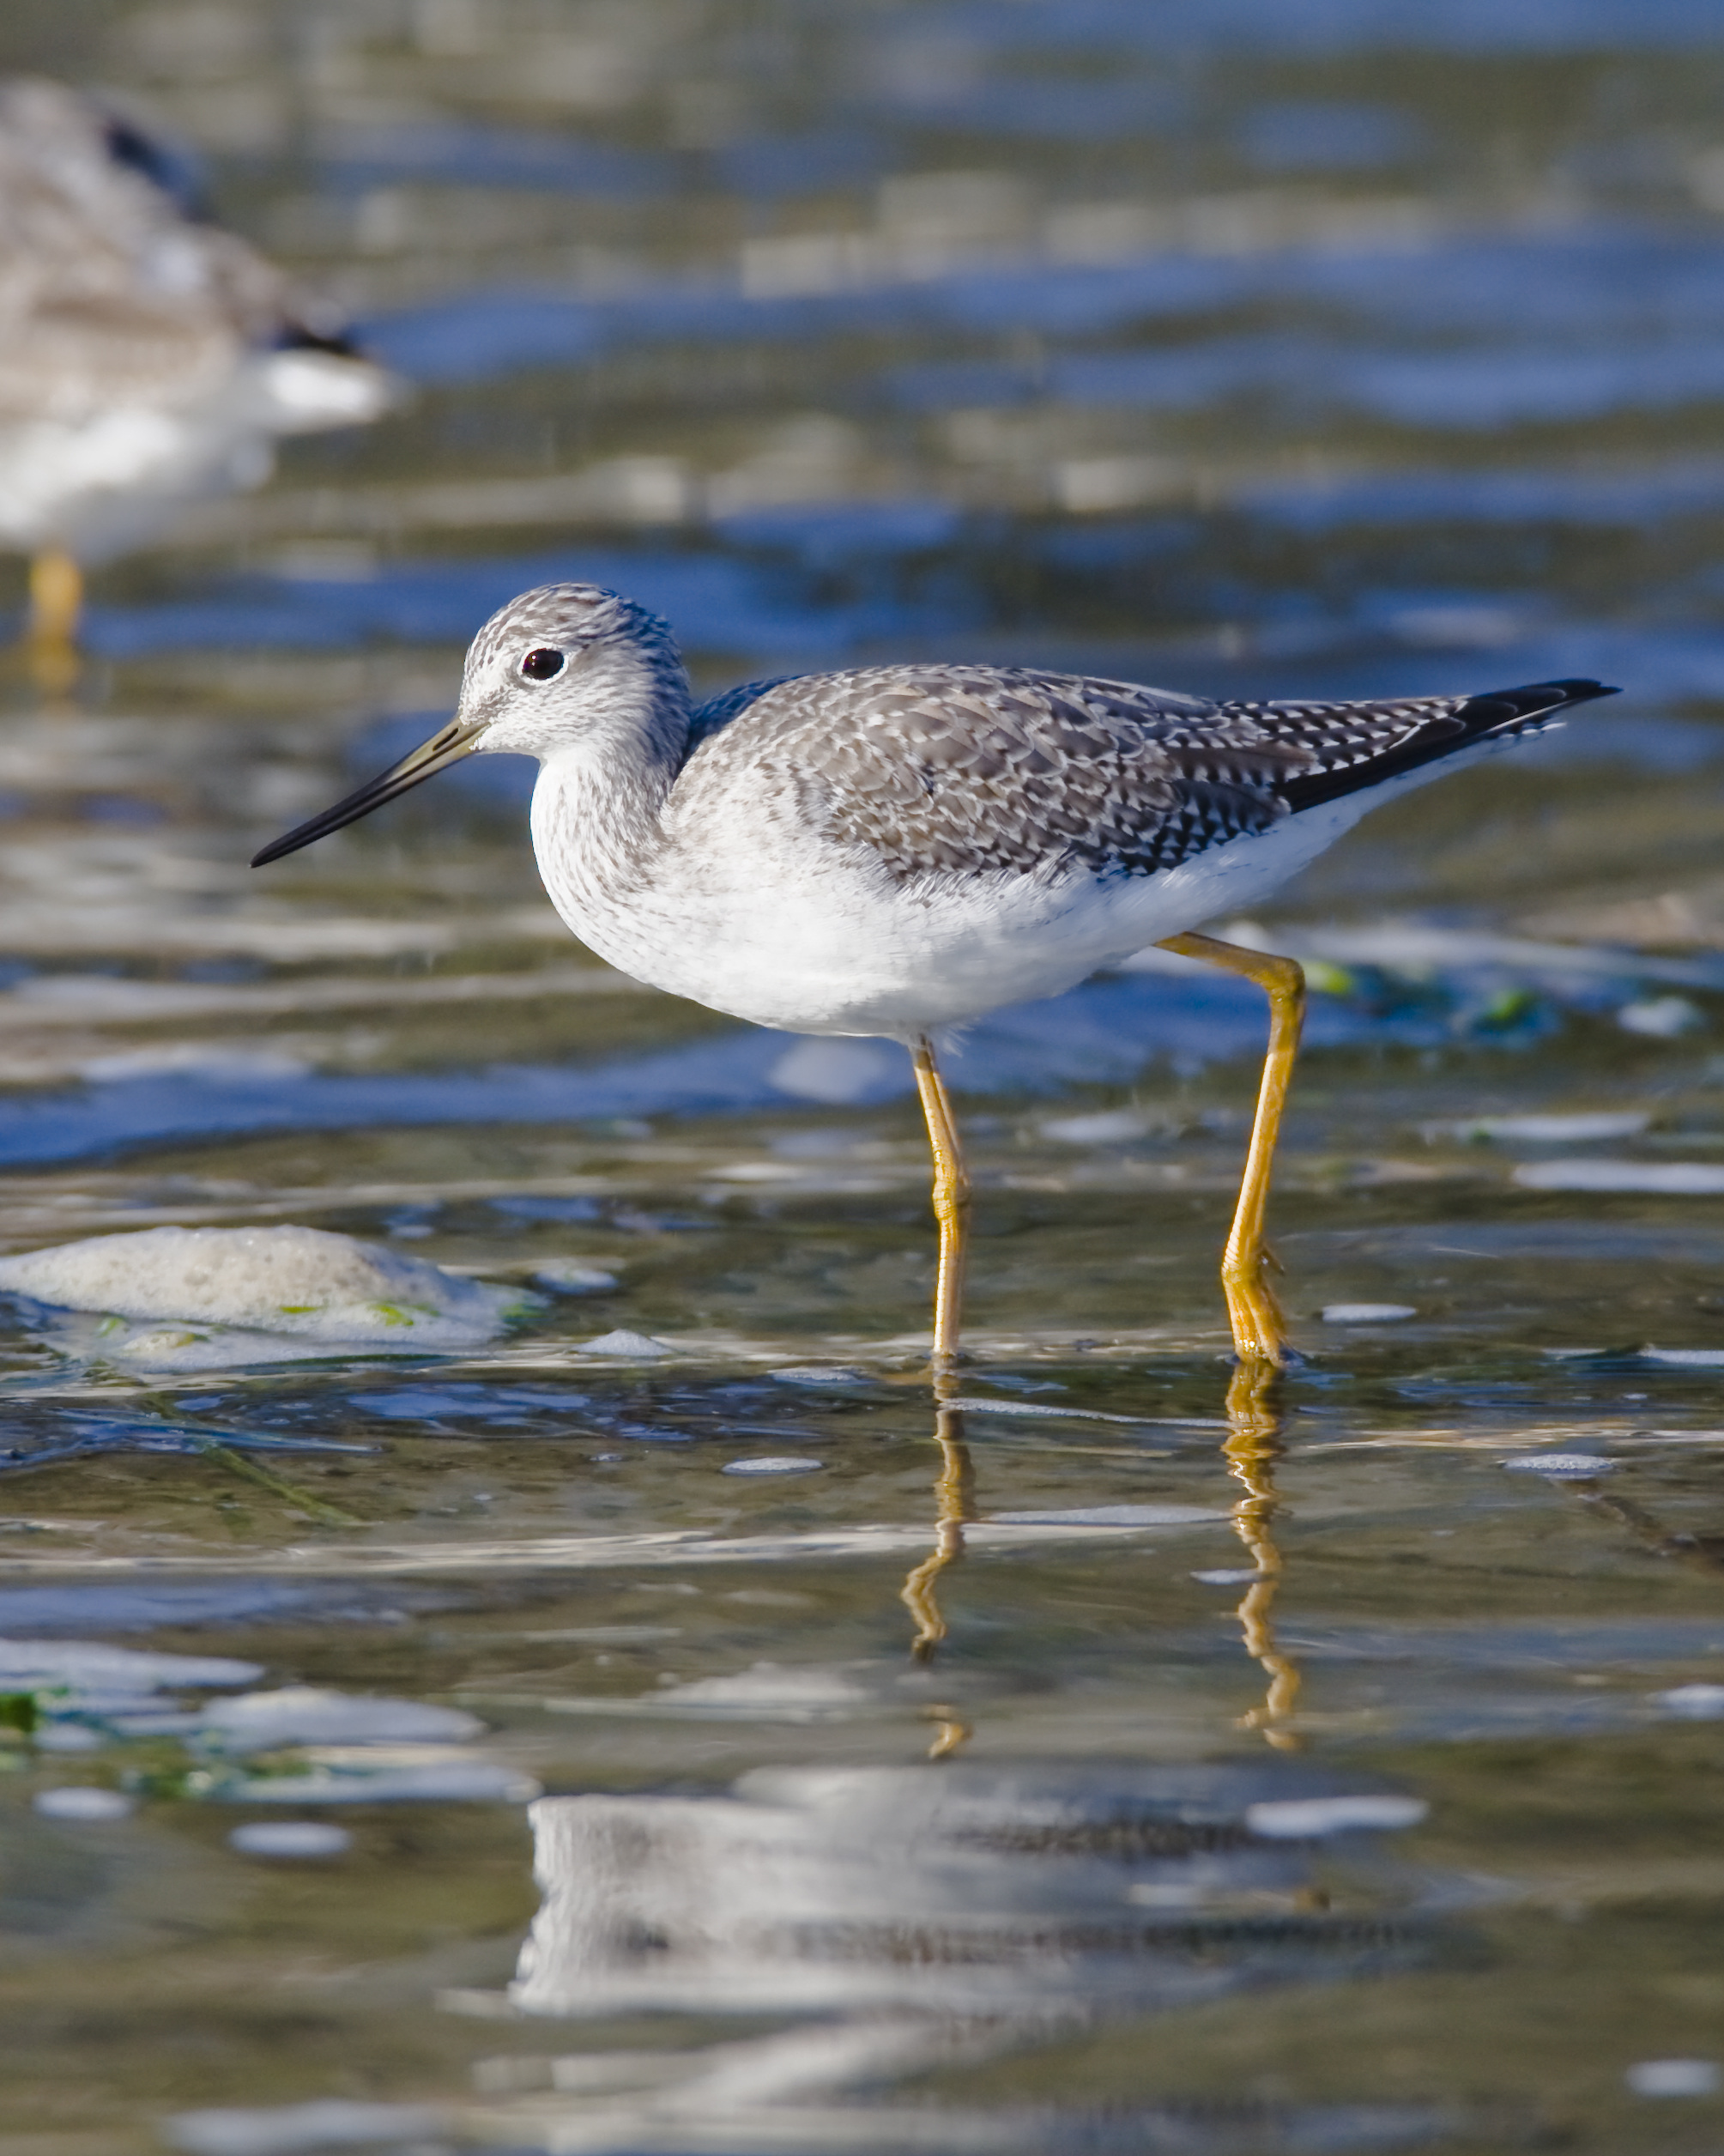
209, 1296
304, 1714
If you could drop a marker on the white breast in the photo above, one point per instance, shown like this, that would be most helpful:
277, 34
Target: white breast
769, 922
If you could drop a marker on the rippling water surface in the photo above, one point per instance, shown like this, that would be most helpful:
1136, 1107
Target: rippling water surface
657, 1730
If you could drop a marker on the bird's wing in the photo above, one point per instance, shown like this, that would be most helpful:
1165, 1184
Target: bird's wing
717, 711
950, 769
1367, 744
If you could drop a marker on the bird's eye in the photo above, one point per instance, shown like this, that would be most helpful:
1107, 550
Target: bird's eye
543, 664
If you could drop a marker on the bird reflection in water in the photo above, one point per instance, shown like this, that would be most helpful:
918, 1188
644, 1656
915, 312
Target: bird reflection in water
1254, 1445
913, 1920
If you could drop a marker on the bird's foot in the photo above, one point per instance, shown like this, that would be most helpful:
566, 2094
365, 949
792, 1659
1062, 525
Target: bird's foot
1260, 1328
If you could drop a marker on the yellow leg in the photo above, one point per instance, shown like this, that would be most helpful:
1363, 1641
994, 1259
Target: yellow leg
1259, 1331
951, 1204
57, 599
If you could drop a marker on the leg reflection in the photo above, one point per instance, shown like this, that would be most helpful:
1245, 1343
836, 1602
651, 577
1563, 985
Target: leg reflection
1252, 1447
954, 1489
951, 1732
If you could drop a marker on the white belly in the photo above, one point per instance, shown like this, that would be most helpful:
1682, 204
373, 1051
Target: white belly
789, 933
104, 482
777, 927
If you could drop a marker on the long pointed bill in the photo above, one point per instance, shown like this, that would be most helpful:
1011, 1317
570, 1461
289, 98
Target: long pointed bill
458, 739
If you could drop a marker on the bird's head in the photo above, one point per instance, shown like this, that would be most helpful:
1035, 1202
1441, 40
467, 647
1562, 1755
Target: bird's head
562, 666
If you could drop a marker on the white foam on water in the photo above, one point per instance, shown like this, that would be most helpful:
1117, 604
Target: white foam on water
296, 1838
1660, 1017
65, 1737
1668, 1179
1305, 1818
83, 1805
628, 1345
765, 1688
238, 1294
302, 1714
74, 1682
1577, 1128
436, 1781
569, 1276
1243, 1577
1112, 1127
186, 1059
1692, 1358
83, 1666
1576, 1465
299, 2130
1674, 2077
1367, 1313
1112, 1516
1693, 1702
776, 1463
815, 1374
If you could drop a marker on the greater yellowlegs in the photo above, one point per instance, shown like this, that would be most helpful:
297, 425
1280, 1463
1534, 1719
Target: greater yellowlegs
148, 357
892, 850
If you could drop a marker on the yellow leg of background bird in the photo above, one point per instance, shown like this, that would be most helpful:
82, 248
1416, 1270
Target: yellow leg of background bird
951, 1204
57, 599
1259, 1331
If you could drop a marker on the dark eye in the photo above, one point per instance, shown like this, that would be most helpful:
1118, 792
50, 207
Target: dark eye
541, 665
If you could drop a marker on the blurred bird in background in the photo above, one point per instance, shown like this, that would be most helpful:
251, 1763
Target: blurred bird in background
148, 357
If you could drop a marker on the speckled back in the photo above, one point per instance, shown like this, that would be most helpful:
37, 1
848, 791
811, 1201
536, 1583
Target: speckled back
961, 769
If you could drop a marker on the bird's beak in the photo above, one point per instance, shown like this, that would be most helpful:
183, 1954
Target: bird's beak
458, 739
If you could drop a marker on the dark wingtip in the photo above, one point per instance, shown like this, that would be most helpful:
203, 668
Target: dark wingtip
1505, 710
1578, 691
1493, 716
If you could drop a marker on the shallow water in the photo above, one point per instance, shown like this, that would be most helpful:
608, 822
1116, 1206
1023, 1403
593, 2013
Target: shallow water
733, 1755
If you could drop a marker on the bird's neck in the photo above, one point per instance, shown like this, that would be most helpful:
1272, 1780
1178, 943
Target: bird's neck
601, 796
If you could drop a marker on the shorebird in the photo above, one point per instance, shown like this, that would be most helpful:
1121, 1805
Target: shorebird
148, 357
896, 849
